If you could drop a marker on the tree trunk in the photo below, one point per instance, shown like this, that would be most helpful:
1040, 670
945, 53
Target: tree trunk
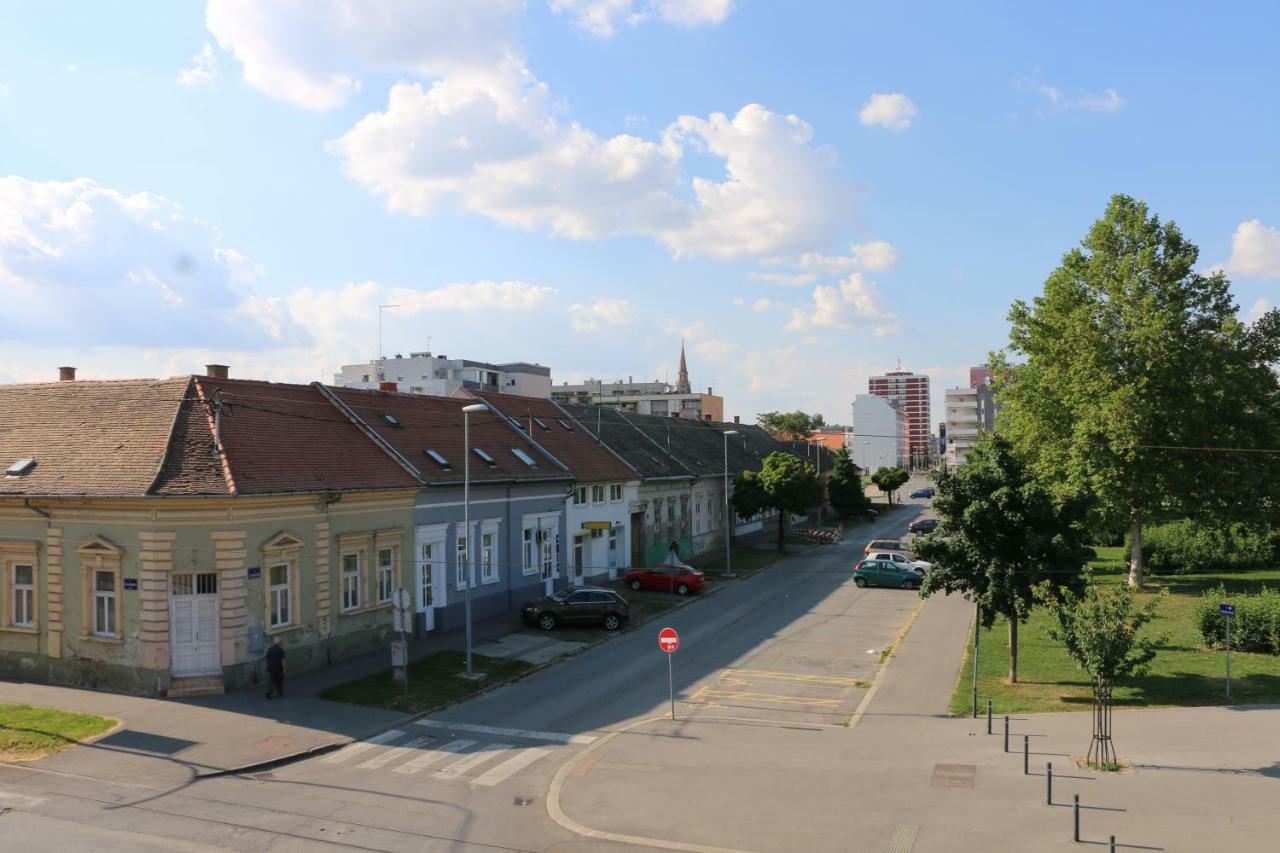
1136, 563
1013, 649
781, 528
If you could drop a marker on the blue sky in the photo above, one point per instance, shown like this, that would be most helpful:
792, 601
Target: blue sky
583, 182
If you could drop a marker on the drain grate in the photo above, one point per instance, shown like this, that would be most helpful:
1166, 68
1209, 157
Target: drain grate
904, 838
953, 775
524, 801
262, 777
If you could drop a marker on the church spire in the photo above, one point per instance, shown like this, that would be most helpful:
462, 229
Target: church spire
682, 384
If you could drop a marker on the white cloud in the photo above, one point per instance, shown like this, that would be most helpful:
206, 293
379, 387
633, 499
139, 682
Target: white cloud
853, 303
875, 256
764, 304
1262, 306
1108, 101
602, 17
893, 111
311, 53
202, 70
1255, 250
604, 312
690, 331
784, 279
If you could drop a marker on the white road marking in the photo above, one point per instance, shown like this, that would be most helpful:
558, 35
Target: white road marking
19, 801
511, 766
558, 737
390, 755
475, 759
431, 756
351, 750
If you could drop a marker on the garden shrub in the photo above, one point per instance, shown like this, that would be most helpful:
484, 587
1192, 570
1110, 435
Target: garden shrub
1255, 628
1183, 547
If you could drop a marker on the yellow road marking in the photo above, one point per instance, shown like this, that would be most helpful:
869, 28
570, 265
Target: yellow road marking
767, 697
831, 680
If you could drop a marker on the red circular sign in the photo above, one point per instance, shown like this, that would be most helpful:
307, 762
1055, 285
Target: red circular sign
668, 640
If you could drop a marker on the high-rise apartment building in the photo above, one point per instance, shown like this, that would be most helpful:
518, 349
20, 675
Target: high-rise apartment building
979, 377
910, 391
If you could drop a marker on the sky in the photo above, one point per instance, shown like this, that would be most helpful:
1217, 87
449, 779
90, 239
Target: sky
806, 193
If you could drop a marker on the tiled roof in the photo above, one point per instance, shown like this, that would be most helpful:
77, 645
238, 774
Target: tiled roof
650, 459
88, 438
435, 423
191, 467
568, 441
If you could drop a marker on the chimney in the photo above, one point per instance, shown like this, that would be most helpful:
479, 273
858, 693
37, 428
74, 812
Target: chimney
216, 371
66, 374
387, 386
737, 419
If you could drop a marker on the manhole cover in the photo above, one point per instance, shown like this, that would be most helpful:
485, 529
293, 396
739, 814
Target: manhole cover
262, 777
524, 801
953, 775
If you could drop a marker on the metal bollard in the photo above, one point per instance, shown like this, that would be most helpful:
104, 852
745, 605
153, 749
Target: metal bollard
1113, 844
1076, 809
1048, 793
1006, 732
988, 716
1026, 755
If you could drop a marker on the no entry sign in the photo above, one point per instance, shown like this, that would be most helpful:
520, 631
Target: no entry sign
668, 640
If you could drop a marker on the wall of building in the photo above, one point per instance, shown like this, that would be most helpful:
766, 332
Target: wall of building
599, 561
879, 438
666, 519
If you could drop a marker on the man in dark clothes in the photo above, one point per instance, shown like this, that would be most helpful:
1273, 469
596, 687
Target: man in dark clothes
275, 668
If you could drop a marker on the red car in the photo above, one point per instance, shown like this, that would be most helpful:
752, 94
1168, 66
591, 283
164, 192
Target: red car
681, 579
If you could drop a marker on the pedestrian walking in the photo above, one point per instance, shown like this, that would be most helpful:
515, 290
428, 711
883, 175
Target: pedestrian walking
275, 668
673, 555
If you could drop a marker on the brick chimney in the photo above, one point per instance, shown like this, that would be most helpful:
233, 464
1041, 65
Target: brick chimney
737, 419
66, 374
216, 371
387, 386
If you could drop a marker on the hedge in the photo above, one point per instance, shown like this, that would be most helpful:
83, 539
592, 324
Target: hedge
1184, 547
1255, 628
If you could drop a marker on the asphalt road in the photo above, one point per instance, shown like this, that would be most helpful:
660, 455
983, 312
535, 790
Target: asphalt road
786, 654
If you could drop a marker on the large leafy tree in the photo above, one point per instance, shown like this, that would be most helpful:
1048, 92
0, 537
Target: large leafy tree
1002, 534
785, 483
1140, 384
844, 487
795, 424
889, 480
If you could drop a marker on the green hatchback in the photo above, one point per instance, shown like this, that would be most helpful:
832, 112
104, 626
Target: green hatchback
886, 573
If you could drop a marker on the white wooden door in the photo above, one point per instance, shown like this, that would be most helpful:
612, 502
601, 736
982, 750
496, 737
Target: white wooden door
193, 620
431, 580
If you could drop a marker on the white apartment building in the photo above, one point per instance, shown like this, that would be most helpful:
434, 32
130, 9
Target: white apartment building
881, 435
441, 376
968, 412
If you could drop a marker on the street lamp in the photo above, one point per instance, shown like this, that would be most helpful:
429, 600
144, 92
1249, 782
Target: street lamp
728, 564
467, 412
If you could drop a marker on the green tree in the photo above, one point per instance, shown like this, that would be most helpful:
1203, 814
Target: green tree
1099, 630
844, 487
1140, 384
785, 483
795, 424
1002, 533
889, 480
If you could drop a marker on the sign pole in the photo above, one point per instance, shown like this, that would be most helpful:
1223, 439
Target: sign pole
669, 641
1228, 621
671, 690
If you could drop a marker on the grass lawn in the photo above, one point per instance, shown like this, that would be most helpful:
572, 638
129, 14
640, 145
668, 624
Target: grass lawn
433, 681
28, 733
1183, 673
746, 561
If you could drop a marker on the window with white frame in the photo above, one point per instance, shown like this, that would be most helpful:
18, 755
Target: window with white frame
613, 544
461, 565
430, 567
386, 574
615, 492
104, 603
489, 553
597, 494
22, 595
280, 595
530, 564
580, 496
351, 581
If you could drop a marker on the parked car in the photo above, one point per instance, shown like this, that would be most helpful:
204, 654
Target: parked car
923, 525
926, 492
901, 558
584, 605
884, 545
886, 573
680, 579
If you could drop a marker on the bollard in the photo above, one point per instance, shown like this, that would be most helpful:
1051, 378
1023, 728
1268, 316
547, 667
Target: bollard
1048, 793
1076, 809
1006, 732
1026, 755
1113, 844
988, 716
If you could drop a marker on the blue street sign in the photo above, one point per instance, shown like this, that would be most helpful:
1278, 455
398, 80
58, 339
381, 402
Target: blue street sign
131, 583
1227, 610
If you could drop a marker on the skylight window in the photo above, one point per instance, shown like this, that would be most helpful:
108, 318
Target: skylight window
22, 466
524, 457
390, 419
566, 426
542, 424
483, 454
444, 463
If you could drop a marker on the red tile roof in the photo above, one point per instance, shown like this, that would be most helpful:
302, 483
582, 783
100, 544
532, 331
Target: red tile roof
563, 438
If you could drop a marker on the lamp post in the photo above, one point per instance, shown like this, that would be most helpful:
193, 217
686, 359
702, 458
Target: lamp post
823, 498
728, 523
467, 412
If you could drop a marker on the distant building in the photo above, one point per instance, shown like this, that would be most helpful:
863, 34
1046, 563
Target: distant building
969, 411
833, 437
979, 377
441, 376
645, 398
911, 393
881, 435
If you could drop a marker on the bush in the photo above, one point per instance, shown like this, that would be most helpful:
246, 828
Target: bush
1255, 628
1183, 547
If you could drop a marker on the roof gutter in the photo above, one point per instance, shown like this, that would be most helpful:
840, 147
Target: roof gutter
27, 503
369, 431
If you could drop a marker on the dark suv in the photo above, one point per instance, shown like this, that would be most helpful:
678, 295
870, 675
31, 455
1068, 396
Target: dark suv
923, 525
578, 606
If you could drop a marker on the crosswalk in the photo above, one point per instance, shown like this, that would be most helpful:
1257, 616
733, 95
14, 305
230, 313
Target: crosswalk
443, 755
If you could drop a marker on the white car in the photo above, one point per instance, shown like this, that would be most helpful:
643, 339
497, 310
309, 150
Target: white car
901, 559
